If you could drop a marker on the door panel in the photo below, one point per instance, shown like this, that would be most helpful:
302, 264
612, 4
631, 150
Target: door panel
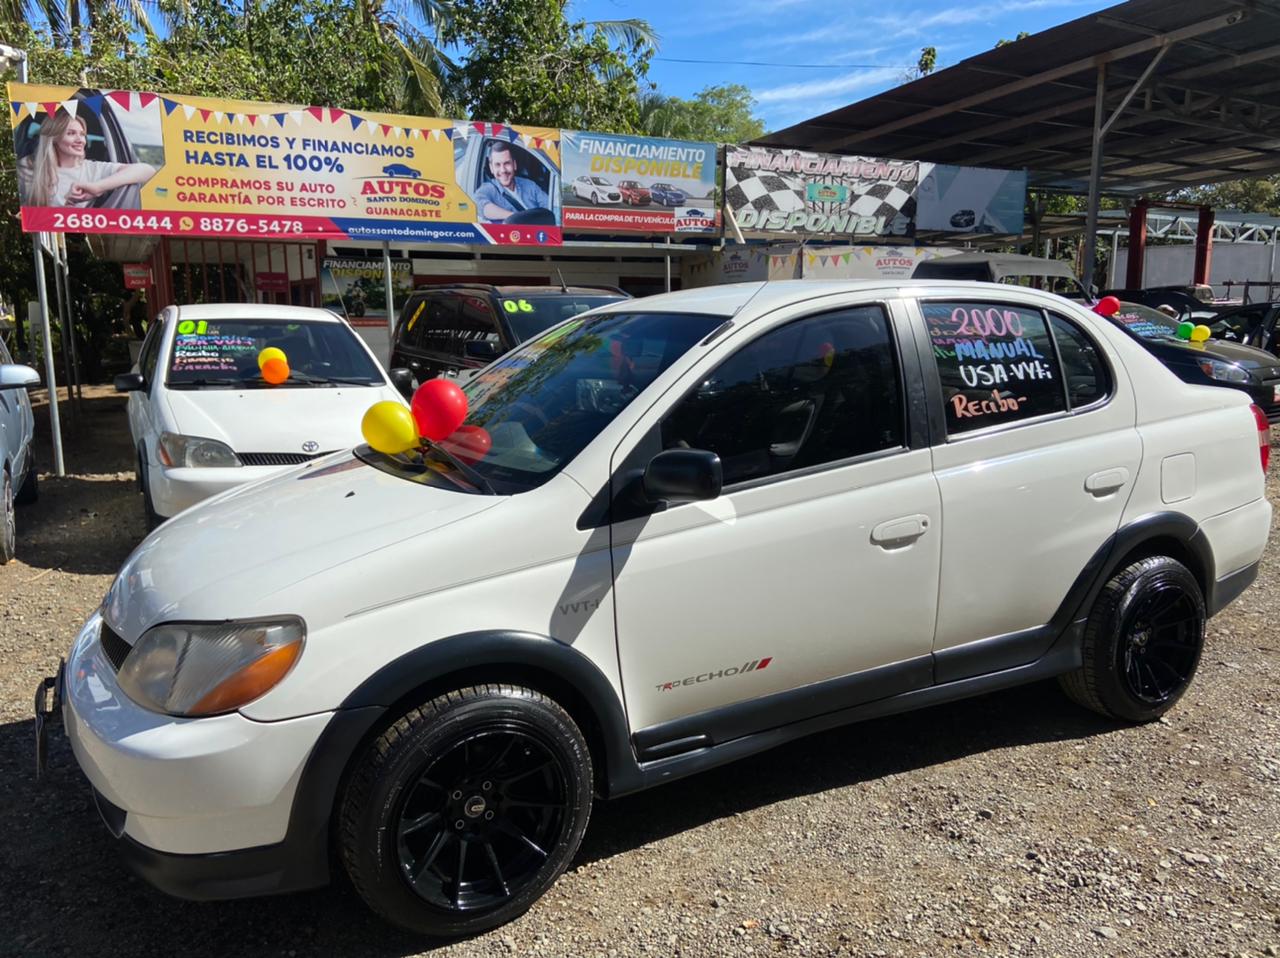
786, 572
1022, 520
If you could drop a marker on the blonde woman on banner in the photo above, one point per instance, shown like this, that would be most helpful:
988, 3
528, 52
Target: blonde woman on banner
59, 174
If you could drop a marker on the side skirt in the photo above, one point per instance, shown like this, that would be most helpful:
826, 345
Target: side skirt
1064, 656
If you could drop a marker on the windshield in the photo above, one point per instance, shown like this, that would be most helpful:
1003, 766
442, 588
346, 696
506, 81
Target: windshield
531, 412
1146, 323
663, 186
223, 353
530, 315
600, 181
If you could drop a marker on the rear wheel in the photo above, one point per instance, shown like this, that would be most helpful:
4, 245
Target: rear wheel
1142, 642
9, 534
466, 810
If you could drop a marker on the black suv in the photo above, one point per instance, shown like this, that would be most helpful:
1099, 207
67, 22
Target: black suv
445, 329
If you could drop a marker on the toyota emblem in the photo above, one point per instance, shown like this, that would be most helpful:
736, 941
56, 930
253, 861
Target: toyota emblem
310, 446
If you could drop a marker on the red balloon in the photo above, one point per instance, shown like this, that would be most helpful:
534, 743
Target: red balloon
469, 443
1107, 306
439, 407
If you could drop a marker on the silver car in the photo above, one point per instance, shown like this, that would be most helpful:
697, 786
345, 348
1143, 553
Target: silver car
17, 425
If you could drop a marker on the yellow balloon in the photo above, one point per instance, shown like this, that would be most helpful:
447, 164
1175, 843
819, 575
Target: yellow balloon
271, 352
389, 428
1200, 334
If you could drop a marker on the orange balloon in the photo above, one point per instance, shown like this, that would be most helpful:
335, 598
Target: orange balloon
275, 370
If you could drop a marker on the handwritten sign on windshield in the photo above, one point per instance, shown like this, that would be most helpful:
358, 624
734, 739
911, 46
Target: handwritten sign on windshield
210, 352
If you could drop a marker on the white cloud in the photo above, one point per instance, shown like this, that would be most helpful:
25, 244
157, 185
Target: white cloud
828, 87
914, 24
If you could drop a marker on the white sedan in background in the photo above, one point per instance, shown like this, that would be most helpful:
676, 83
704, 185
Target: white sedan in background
204, 419
17, 460
596, 189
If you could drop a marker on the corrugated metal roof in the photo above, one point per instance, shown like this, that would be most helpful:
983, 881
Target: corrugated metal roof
1209, 110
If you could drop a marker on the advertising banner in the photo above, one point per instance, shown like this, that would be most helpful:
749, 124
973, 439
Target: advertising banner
868, 262
355, 288
639, 184
971, 199
790, 191
117, 161
137, 275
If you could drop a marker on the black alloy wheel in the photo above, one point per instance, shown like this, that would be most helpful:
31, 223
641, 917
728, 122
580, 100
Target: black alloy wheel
476, 828
1142, 642
1161, 643
466, 809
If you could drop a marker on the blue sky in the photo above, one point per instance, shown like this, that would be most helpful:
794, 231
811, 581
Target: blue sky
851, 50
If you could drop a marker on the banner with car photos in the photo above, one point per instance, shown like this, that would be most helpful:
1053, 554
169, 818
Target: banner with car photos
971, 199
818, 194
356, 288
121, 161
639, 184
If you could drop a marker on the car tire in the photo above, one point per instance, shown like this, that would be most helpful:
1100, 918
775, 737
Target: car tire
1142, 642
9, 525
466, 809
29, 492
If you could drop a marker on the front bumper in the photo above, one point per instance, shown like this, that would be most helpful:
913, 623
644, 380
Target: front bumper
186, 786
177, 488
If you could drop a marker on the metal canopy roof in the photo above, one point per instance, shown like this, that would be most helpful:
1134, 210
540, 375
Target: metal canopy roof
1191, 88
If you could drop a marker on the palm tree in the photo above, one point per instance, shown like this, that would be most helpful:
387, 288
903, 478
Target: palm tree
68, 20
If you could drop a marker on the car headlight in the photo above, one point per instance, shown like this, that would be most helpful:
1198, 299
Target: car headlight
1224, 372
193, 451
205, 668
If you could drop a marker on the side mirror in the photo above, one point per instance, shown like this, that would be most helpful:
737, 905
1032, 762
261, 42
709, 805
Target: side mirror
15, 376
402, 379
130, 382
683, 475
481, 349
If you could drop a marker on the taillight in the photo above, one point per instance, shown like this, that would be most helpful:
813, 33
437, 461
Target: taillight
1264, 436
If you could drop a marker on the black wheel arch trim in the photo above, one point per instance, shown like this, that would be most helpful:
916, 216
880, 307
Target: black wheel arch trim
512, 650
1020, 648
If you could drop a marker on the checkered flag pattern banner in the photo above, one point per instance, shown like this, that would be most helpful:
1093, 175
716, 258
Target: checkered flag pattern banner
763, 191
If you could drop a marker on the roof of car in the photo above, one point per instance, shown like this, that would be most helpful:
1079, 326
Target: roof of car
728, 299
295, 314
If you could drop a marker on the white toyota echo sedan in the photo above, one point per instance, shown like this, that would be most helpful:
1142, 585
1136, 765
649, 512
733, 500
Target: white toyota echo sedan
203, 418
701, 525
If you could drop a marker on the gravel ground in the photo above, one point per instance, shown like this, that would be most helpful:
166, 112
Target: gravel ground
1013, 824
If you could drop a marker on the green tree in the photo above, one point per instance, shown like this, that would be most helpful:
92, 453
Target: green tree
536, 66
928, 60
1004, 43
720, 114
1260, 195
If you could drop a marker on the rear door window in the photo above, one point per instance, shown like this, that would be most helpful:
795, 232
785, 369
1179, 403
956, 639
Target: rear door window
1084, 371
996, 362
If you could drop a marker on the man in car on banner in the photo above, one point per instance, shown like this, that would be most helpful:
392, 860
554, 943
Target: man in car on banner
506, 194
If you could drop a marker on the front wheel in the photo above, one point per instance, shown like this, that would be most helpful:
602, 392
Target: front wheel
1142, 642
466, 810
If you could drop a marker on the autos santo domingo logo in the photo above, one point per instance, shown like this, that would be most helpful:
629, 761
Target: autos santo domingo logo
826, 192
691, 219
733, 670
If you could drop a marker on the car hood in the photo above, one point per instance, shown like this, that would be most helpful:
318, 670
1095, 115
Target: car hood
229, 556
276, 420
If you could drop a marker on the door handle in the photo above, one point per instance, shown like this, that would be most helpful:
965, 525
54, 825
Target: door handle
1107, 481
896, 533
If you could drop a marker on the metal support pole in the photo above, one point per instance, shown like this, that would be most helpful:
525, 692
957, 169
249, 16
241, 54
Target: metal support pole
391, 307
1095, 177
42, 293
62, 330
77, 372
1271, 272
668, 259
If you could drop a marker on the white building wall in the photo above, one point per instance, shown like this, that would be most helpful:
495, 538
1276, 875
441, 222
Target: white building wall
1175, 265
